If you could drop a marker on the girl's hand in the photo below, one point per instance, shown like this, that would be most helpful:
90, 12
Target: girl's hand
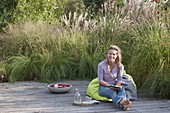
109, 85
118, 83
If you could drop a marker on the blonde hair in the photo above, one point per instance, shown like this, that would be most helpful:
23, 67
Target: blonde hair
119, 57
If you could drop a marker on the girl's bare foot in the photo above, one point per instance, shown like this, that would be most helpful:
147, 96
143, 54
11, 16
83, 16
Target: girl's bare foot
124, 101
127, 106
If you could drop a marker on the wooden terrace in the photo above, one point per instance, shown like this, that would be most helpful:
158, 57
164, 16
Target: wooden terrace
34, 97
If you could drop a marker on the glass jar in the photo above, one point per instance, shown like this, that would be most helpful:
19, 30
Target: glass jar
77, 97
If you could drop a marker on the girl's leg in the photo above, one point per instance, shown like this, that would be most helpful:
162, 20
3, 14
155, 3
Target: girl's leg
123, 103
116, 96
109, 93
121, 94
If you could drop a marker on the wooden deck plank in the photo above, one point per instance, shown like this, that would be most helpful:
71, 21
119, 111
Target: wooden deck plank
34, 97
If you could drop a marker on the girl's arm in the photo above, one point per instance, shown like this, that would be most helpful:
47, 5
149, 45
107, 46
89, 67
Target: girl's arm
120, 75
100, 76
103, 83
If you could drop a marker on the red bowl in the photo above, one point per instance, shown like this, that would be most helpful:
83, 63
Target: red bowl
59, 87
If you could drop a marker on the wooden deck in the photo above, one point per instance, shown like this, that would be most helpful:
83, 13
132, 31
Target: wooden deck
34, 97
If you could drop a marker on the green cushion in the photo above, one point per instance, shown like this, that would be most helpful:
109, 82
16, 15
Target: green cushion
92, 90
93, 86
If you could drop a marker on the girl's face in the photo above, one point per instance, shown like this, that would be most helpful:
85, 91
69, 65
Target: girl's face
112, 55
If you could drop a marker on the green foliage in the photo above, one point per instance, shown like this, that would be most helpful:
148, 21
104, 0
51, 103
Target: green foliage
87, 67
53, 66
46, 10
46, 66
94, 6
13, 11
3, 68
149, 51
26, 39
50, 48
21, 68
74, 6
159, 86
7, 8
